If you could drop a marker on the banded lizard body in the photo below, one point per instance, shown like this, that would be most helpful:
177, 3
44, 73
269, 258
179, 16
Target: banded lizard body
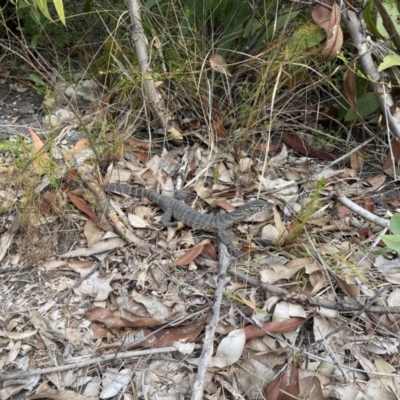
179, 211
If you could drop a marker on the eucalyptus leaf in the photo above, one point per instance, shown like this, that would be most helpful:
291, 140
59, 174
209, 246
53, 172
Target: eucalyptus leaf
392, 241
391, 60
367, 104
395, 224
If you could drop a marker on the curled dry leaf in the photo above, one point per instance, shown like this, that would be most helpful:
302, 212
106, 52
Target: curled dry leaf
80, 145
357, 159
192, 254
92, 234
42, 162
311, 388
219, 64
230, 349
394, 152
286, 386
329, 21
349, 83
273, 327
119, 318
167, 337
277, 271
82, 205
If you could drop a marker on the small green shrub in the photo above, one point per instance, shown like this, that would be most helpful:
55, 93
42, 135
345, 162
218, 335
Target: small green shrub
393, 241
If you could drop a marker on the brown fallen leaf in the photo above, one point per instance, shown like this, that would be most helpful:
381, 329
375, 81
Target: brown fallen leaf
119, 318
82, 205
329, 21
193, 253
395, 144
42, 162
219, 64
302, 147
264, 148
48, 203
274, 327
366, 202
286, 386
80, 145
349, 84
392, 202
357, 159
217, 121
167, 337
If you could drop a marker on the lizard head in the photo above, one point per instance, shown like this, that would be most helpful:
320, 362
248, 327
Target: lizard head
256, 206
249, 209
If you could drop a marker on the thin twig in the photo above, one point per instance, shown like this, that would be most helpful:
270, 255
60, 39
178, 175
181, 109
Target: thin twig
312, 301
306, 353
67, 293
355, 316
5, 376
198, 385
321, 261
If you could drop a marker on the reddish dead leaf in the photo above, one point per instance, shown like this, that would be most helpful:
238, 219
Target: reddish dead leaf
48, 203
193, 253
142, 156
98, 332
248, 303
225, 205
349, 83
395, 109
167, 337
366, 202
264, 148
119, 318
135, 144
396, 154
274, 327
366, 233
329, 21
311, 388
357, 159
376, 181
42, 162
392, 202
302, 147
286, 386
83, 206
80, 145
344, 213
350, 289
218, 121
189, 123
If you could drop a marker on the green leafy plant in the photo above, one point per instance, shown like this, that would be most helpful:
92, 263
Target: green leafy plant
42, 7
393, 241
306, 212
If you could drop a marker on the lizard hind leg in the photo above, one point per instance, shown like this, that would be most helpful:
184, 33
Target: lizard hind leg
166, 219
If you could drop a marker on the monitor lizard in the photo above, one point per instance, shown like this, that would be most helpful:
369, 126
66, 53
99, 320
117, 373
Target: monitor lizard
178, 211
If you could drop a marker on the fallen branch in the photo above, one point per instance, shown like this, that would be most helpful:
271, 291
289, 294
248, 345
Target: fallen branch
384, 223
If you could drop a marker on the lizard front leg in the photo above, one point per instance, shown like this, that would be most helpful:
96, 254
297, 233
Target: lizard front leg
228, 243
166, 219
